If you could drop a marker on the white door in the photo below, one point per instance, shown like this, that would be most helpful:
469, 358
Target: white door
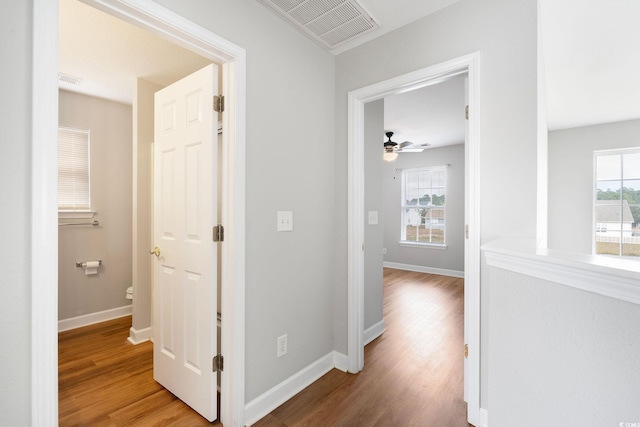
185, 266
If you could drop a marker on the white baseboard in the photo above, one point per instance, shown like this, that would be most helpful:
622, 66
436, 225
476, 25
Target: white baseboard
422, 269
373, 332
340, 361
484, 418
137, 336
91, 318
276, 396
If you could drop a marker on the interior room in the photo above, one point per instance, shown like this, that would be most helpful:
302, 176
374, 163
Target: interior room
550, 211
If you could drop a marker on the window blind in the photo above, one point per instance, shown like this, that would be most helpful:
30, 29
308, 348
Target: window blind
73, 170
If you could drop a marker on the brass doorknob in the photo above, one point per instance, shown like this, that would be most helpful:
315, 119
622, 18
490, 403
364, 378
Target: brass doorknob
155, 251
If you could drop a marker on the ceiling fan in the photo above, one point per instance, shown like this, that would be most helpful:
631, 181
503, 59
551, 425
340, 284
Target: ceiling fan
391, 149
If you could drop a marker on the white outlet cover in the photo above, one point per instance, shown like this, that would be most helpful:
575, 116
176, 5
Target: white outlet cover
285, 221
282, 345
373, 217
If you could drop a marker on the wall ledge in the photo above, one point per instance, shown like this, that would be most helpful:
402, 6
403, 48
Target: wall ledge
613, 277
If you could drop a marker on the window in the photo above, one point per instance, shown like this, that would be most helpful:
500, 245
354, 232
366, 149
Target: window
74, 193
423, 205
617, 203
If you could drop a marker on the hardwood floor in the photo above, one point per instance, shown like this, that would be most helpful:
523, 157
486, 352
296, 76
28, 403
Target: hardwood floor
104, 380
413, 373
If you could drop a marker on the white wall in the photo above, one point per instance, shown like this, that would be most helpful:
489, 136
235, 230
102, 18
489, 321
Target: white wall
142, 205
560, 356
504, 32
451, 258
110, 124
373, 201
290, 167
571, 179
15, 214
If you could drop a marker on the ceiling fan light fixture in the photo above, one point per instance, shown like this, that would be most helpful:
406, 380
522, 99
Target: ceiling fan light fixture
390, 156
389, 148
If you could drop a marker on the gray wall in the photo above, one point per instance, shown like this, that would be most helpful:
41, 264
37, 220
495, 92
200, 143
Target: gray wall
290, 166
15, 215
296, 282
451, 258
505, 33
373, 201
571, 179
110, 124
560, 356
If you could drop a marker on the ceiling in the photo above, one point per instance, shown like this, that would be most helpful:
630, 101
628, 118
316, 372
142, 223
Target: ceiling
591, 50
109, 54
431, 115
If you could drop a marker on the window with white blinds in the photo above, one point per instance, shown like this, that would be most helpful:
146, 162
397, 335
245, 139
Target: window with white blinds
74, 170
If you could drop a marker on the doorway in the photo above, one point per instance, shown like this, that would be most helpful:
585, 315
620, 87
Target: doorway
356, 99
163, 22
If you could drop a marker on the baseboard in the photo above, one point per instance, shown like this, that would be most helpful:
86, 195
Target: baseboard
276, 396
340, 361
137, 336
422, 269
91, 318
484, 418
373, 332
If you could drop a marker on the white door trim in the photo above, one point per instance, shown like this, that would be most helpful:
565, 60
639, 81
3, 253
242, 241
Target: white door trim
161, 21
355, 299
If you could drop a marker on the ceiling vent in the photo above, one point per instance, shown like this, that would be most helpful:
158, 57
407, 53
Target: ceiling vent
328, 22
68, 78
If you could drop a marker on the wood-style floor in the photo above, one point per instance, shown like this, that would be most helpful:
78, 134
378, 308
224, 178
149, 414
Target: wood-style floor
105, 381
413, 373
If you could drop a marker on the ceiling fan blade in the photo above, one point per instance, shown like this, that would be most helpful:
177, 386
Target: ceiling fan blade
413, 149
405, 144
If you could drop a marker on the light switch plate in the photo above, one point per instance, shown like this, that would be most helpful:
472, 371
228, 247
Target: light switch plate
285, 221
373, 217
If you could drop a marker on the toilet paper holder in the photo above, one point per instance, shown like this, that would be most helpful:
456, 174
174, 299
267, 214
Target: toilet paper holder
84, 264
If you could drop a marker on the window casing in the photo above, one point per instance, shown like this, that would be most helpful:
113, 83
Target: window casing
617, 203
74, 170
423, 206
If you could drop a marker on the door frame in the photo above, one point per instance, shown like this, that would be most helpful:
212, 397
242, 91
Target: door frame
469, 64
44, 289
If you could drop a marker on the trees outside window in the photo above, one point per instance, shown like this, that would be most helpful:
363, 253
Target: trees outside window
617, 203
423, 205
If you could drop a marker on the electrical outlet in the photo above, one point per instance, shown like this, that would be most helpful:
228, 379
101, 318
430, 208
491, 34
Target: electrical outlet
282, 345
285, 221
384, 251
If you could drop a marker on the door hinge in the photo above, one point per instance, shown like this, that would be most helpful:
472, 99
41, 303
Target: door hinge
466, 351
218, 103
218, 233
466, 112
466, 231
217, 363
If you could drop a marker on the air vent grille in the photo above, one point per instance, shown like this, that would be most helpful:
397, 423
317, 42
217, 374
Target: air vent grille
68, 78
328, 22
313, 9
287, 5
348, 31
333, 19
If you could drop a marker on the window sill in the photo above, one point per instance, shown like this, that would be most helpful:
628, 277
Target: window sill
76, 214
422, 245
